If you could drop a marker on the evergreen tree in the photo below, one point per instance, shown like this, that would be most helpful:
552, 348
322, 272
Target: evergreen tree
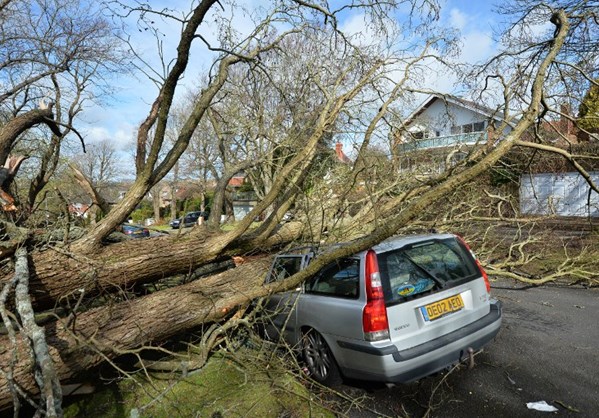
588, 112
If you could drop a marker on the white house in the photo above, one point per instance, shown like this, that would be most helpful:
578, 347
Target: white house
445, 126
441, 124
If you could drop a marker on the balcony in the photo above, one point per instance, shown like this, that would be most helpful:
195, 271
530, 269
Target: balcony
471, 138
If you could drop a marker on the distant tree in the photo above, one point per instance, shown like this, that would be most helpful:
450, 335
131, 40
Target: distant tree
100, 163
54, 56
95, 171
588, 112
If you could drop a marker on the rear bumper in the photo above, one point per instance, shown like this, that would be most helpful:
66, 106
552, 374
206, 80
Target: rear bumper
388, 364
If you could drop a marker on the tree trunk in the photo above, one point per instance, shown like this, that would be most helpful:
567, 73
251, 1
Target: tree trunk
83, 341
173, 187
57, 273
156, 204
16, 126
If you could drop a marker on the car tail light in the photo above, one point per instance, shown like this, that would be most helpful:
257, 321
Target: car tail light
480, 267
374, 316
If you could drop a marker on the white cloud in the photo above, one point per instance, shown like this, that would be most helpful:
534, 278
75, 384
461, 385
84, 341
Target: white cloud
477, 46
97, 134
356, 28
354, 25
120, 136
458, 19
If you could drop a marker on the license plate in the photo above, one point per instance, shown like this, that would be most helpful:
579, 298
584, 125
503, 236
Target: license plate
442, 307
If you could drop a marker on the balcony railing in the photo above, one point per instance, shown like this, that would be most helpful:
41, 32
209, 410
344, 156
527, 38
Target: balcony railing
444, 141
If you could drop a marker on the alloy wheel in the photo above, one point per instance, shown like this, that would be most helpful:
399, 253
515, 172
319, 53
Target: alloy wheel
318, 357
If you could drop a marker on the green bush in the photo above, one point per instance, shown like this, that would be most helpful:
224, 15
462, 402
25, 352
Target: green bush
144, 210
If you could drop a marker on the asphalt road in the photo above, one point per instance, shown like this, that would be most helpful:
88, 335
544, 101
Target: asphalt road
547, 350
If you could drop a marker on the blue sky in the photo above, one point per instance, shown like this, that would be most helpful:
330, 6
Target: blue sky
120, 116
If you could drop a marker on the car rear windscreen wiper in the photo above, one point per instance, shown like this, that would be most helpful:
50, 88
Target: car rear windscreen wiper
437, 280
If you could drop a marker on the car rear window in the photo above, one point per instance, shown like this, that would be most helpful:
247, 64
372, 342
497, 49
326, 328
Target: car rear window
424, 267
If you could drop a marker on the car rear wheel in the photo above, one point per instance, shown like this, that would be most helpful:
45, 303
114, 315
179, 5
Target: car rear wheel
319, 360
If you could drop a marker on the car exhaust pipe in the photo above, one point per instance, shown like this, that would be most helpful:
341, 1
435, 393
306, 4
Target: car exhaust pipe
470, 352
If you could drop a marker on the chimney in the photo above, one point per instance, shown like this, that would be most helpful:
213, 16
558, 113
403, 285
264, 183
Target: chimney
339, 150
566, 124
341, 157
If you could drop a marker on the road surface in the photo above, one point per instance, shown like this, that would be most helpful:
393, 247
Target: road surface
547, 350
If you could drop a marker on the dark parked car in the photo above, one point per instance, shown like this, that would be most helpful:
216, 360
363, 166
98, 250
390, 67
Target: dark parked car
402, 310
190, 219
134, 231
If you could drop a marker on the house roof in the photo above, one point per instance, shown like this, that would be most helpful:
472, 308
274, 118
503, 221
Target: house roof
236, 181
79, 209
447, 98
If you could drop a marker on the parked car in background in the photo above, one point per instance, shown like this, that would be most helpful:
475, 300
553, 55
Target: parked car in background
134, 231
190, 219
400, 311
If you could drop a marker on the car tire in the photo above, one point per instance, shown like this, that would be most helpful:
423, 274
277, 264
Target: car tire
319, 360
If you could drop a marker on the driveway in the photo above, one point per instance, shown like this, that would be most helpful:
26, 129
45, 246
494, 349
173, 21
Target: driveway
547, 350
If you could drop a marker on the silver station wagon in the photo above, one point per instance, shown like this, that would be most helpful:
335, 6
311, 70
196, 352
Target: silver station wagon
409, 307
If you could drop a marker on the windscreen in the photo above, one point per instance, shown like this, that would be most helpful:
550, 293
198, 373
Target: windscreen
423, 267
284, 266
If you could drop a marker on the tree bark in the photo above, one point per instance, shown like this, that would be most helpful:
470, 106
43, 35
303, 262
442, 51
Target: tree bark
156, 203
58, 273
45, 373
87, 339
16, 126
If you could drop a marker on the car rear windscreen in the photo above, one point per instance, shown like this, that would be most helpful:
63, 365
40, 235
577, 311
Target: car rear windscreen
423, 267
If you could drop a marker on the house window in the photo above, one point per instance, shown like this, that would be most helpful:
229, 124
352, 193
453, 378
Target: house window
424, 134
418, 135
468, 128
478, 126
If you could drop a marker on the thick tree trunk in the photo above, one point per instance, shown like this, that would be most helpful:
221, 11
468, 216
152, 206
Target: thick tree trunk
81, 342
156, 203
57, 273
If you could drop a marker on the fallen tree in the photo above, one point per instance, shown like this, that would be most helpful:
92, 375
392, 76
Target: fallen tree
340, 82
60, 273
83, 340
